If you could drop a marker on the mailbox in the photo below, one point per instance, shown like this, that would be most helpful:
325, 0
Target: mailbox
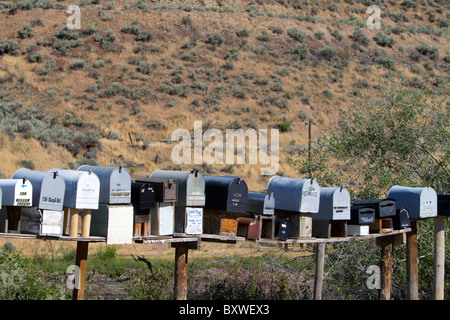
420, 202
190, 200
295, 194
16, 192
334, 211
259, 203
362, 215
41, 222
401, 220
114, 222
48, 188
384, 208
191, 186
334, 204
166, 190
282, 228
82, 189
226, 194
443, 205
115, 183
142, 197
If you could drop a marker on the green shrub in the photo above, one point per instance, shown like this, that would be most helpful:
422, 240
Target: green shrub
319, 34
301, 53
76, 64
285, 125
383, 40
35, 57
242, 33
10, 47
337, 35
109, 5
26, 32
360, 37
296, 34
29, 164
215, 39
428, 50
328, 52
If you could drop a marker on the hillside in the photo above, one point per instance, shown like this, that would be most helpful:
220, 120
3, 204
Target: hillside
114, 91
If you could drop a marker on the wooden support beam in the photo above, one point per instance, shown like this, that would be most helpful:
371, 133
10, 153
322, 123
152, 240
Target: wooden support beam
73, 213
439, 258
181, 258
81, 262
386, 245
318, 277
412, 263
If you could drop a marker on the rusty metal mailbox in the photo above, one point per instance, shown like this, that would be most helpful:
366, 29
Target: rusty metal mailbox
190, 200
115, 183
420, 202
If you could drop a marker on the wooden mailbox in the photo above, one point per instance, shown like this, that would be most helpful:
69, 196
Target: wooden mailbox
143, 199
296, 199
16, 193
82, 194
226, 200
334, 211
190, 200
46, 215
420, 202
114, 217
162, 214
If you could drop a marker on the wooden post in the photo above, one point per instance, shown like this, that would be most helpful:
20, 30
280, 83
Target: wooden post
386, 259
412, 263
318, 277
73, 213
81, 262
439, 258
86, 223
181, 258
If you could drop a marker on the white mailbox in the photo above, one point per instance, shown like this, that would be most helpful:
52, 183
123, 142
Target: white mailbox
421, 202
82, 189
48, 188
114, 222
334, 204
295, 194
115, 184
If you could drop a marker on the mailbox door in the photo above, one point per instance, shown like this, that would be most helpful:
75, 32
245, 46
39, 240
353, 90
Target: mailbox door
166, 190
227, 194
23, 193
142, 196
88, 192
195, 190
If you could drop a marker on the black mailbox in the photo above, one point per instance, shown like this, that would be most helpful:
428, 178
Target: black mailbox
362, 215
282, 228
166, 190
226, 194
401, 220
444, 205
142, 197
384, 208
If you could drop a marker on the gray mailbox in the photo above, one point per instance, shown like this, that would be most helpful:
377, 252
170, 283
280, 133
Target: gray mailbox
334, 204
115, 183
82, 189
48, 188
190, 200
16, 193
334, 211
420, 202
295, 194
259, 203
191, 186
